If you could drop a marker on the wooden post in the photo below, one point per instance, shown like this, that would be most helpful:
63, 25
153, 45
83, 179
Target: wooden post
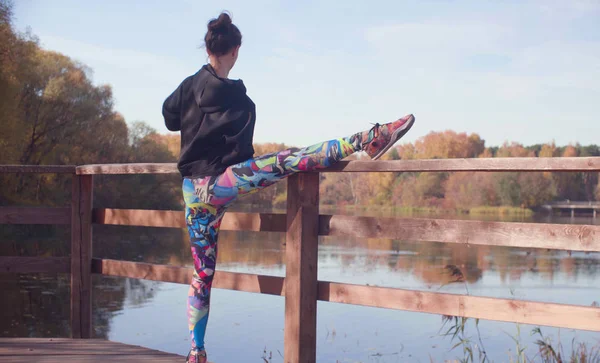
301, 268
81, 256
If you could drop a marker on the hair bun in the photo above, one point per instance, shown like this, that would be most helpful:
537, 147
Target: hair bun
222, 35
220, 24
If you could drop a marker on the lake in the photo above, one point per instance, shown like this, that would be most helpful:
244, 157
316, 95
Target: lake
246, 327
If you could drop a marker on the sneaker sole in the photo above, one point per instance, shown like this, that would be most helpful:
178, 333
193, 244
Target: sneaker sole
397, 135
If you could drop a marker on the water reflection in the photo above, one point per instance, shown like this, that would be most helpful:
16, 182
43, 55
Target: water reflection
38, 305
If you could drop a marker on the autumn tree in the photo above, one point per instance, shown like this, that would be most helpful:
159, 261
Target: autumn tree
513, 150
548, 151
468, 190
448, 144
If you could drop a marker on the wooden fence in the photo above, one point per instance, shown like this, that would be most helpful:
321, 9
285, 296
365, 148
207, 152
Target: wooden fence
303, 225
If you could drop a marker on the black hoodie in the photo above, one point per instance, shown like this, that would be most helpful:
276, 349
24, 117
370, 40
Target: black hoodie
216, 119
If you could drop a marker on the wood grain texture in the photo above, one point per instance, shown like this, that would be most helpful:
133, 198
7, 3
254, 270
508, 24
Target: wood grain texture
38, 169
134, 168
526, 312
81, 256
526, 235
433, 165
34, 215
75, 257
301, 268
517, 311
139, 217
58, 350
270, 285
479, 164
265, 222
10, 264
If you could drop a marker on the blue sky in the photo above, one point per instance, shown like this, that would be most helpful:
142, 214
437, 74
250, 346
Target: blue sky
526, 71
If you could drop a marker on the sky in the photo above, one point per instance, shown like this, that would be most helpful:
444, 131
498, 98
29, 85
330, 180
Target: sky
525, 71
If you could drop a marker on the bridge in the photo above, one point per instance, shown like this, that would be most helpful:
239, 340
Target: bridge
302, 225
590, 207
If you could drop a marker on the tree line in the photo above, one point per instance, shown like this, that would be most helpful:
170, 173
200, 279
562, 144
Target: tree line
52, 113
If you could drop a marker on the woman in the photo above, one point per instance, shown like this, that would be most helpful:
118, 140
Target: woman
216, 119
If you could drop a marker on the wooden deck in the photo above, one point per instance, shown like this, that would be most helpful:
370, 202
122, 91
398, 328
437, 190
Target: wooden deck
302, 225
57, 350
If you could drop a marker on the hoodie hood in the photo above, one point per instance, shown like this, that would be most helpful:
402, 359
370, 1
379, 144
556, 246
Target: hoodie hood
215, 94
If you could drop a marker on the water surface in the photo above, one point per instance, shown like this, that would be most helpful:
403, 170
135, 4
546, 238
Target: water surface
247, 327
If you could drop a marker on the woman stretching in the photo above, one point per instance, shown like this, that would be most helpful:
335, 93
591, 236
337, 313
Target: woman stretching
216, 119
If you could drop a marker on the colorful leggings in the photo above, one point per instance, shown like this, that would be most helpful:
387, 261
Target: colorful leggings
206, 200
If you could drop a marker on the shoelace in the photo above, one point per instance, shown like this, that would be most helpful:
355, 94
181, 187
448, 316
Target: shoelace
375, 133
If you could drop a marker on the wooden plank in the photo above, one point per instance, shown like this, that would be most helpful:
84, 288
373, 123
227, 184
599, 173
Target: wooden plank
34, 215
526, 312
38, 169
433, 165
257, 222
301, 268
265, 222
81, 256
18, 264
134, 168
479, 164
270, 285
517, 311
57, 350
527, 235
75, 257
139, 217
140, 270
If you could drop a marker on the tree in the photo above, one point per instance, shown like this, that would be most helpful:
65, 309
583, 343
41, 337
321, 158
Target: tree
508, 189
449, 144
535, 189
404, 192
571, 185
406, 151
171, 141
589, 150
513, 150
548, 151
468, 190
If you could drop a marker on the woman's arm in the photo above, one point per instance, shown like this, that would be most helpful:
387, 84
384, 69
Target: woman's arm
171, 110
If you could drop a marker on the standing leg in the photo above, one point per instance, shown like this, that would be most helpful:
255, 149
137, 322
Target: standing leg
207, 199
203, 222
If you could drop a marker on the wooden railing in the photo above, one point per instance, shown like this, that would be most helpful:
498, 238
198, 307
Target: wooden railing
303, 225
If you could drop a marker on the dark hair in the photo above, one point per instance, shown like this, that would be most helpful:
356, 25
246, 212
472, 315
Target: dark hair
222, 35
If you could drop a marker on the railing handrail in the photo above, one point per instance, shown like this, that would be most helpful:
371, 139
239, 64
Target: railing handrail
516, 164
574, 203
303, 224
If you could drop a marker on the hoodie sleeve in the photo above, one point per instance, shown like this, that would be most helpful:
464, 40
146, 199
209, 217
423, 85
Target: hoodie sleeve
172, 110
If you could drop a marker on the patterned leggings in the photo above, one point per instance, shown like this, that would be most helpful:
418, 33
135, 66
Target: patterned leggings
207, 199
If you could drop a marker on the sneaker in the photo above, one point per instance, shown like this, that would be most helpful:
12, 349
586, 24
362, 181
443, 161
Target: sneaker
196, 357
381, 137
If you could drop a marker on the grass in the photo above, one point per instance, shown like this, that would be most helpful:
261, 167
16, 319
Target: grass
547, 350
473, 349
408, 210
502, 211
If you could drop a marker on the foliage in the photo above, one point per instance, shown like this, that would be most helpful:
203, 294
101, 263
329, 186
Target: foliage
52, 113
